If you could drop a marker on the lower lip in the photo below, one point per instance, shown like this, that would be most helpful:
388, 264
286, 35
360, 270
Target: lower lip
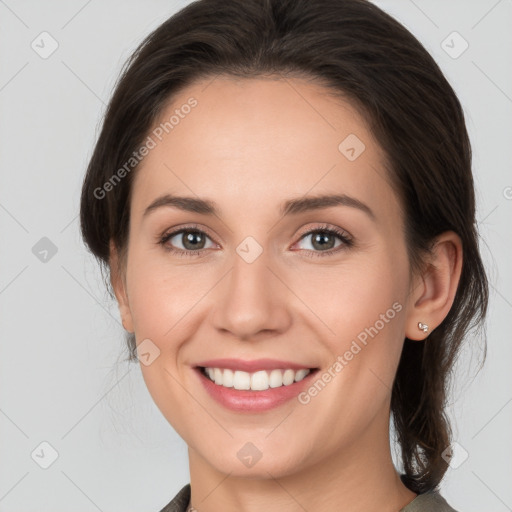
253, 401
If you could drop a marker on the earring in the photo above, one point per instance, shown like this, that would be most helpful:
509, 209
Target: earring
423, 327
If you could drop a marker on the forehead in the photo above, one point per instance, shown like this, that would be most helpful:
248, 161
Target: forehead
258, 141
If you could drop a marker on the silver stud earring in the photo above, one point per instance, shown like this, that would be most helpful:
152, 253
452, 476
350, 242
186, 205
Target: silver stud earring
423, 327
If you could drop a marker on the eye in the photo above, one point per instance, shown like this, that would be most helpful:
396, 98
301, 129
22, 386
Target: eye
323, 241
192, 240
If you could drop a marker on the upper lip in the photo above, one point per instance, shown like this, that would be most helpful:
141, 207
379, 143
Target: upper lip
253, 365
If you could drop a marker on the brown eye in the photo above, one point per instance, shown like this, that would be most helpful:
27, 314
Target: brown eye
186, 241
192, 240
323, 241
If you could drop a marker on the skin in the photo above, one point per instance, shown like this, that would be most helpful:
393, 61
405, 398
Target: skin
249, 145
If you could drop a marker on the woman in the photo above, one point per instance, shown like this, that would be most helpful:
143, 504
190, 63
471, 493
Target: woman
282, 195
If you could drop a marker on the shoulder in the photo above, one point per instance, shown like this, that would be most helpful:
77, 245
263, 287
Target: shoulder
430, 501
180, 502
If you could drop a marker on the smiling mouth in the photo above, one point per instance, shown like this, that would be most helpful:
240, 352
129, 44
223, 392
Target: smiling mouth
260, 380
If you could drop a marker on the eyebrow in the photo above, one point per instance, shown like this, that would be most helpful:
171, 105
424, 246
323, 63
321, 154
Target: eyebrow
290, 207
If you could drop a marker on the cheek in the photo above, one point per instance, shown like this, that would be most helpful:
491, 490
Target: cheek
354, 296
163, 304
161, 296
365, 312
364, 308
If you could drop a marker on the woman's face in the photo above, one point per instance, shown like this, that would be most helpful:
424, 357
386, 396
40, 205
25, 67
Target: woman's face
258, 286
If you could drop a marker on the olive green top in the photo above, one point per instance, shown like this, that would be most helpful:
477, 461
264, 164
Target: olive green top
431, 501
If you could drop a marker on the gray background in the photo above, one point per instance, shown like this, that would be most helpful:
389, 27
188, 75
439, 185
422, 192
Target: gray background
61, 379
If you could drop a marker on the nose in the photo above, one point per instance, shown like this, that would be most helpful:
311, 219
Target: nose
252, 301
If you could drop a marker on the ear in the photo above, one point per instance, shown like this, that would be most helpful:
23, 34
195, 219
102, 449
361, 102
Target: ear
434, 291
119, 285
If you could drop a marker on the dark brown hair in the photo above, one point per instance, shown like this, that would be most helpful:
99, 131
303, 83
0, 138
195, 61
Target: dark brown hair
361, 53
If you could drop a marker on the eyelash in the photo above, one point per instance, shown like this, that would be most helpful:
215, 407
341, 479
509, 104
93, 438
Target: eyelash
342, 235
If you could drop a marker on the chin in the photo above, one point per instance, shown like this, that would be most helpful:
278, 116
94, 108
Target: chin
249, 461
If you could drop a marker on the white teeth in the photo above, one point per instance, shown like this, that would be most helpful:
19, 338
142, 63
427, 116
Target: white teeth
288, 377
300, 374
241, 380
257, 381
276, 379
228, 378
